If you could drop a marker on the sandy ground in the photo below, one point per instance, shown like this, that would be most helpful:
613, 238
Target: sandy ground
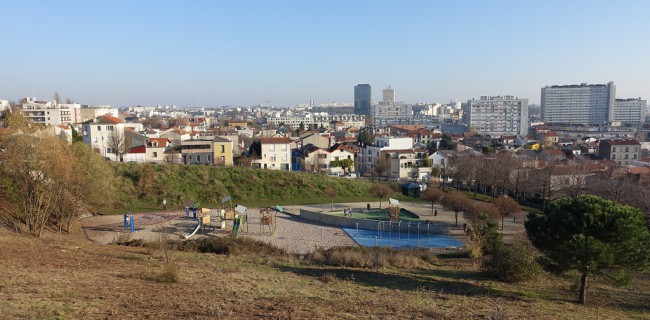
291, 233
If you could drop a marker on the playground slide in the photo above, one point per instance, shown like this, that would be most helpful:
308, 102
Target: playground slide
235, 226
195, 230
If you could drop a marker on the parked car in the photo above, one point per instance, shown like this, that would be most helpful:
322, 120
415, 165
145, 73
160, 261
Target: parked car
351, 175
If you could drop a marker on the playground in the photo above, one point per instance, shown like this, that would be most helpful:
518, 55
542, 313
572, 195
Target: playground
282, 226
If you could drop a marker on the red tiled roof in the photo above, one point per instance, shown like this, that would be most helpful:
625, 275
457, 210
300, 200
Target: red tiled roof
275, 140
64, 127
139, 149
162, 142
112, 119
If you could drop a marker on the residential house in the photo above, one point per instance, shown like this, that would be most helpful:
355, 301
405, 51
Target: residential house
623, 151
368, 156
223, 152
156, 148
275, 154
200, 151
317, 160
106, 134
409, 164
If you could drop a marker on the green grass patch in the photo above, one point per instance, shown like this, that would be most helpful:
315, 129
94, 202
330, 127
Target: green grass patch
142, 187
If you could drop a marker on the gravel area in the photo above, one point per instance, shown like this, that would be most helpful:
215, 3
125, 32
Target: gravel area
291, 233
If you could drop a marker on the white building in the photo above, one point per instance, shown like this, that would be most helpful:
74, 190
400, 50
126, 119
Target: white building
276, 154
104, 134
317, 121
368, 155
498, 115
49, 112
629, 110
579, 104
4, 105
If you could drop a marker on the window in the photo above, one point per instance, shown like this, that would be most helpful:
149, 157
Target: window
155, 154
223, 148
198, 158
99, 128
223, 159
284, 157
273, 158
272, 147
109, 128
322, 156
208, 158
284, 147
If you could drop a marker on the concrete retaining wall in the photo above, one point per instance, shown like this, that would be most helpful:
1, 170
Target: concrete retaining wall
324, 218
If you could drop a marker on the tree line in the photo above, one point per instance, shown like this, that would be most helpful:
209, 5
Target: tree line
540, 181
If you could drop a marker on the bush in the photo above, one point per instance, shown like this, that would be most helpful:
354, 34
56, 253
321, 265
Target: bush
361, 257
169, 274
513, 263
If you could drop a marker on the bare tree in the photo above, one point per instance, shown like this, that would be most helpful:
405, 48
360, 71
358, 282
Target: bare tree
457, 202
380, 191
118, 144
331, 193
57, 97
382, 165
506, 206
433, 195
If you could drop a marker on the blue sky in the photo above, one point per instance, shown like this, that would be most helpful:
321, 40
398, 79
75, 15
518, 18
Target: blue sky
215, 53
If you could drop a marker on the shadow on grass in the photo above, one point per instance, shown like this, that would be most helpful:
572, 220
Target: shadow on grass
411, 282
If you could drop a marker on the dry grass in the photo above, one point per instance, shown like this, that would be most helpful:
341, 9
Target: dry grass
73, 279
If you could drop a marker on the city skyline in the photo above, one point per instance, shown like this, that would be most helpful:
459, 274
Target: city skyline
286, 53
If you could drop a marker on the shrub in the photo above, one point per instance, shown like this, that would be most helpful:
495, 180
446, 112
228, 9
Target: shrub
169, 274
327, 277
361, 257
513, 263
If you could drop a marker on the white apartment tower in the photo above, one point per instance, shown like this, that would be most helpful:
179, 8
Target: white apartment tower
496, 116
629, 110
579, 104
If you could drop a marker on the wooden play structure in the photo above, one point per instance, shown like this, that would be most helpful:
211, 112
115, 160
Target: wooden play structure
268, 220
393, 209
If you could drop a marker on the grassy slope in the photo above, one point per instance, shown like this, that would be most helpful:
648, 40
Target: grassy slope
64, 279
206, 185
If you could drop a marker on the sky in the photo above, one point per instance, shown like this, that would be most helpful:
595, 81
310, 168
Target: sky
286, 52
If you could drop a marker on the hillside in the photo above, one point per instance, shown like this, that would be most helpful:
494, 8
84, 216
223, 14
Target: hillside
145, 185
61, 278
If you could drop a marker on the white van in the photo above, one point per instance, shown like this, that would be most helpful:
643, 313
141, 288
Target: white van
351, 175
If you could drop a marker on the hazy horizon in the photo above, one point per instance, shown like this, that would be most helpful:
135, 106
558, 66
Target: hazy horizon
287, 52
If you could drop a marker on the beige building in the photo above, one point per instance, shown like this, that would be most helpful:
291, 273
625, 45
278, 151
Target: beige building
223, 152
276, 154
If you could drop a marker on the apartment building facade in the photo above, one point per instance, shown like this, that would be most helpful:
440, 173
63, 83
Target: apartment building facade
578, 104
498, 115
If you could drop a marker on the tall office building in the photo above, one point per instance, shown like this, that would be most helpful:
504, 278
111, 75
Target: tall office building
389, 95
497, 116
362, 99
579, 104
629, 110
